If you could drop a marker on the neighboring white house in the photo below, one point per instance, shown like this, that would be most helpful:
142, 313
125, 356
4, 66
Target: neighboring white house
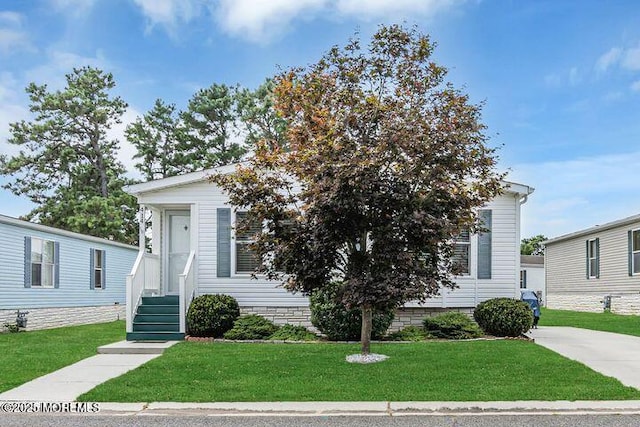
60, 277
195, 251
532, 275
590, 268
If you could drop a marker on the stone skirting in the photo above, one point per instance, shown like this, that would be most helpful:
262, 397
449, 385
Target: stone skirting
620, 304
45, 318
302, 315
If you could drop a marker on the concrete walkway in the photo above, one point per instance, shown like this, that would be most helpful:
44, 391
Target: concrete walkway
66, 384
613, 355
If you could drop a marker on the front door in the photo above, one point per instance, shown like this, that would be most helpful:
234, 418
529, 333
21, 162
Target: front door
178, 247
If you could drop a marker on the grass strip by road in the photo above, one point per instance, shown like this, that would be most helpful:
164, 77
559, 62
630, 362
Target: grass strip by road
28, 355
607, 322
431, 371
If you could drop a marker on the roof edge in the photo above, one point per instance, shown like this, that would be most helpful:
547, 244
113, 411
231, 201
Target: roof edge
590, 230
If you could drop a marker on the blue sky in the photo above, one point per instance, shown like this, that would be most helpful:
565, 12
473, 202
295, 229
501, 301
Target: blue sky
560, 79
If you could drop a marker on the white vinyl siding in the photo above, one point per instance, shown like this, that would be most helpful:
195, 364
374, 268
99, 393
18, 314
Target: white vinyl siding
259, 292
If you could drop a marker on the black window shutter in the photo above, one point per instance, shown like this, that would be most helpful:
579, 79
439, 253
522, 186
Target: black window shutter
56, 264
484, 245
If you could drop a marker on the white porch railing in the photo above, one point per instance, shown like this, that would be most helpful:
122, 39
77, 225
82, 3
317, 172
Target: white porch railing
144, 278
187, 289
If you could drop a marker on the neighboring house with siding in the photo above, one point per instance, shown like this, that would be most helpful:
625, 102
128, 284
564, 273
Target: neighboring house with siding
589, 267
532, 275
195, 250
60, 277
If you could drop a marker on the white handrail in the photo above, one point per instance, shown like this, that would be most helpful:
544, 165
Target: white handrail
187, 288
145, 275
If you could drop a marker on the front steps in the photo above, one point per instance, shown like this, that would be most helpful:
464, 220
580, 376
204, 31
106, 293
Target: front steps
157, 319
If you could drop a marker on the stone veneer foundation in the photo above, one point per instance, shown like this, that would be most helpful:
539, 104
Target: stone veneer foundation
45, 318
302, 315
620, 304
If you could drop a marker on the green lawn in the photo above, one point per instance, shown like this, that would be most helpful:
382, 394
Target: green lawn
608, 322
450, 371
28, 355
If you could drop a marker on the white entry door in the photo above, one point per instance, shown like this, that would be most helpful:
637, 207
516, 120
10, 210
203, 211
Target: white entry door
178, 247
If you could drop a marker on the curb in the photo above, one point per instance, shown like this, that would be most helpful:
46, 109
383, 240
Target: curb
370, 408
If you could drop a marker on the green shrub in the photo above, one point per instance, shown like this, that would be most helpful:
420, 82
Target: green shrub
453, 325
251, 327
293, 333
410, 333
340, 324
212, 315
504, 317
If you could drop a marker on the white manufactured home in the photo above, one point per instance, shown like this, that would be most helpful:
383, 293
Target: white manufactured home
194, 251
595, 269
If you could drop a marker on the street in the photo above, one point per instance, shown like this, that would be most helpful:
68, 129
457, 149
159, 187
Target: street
600, 420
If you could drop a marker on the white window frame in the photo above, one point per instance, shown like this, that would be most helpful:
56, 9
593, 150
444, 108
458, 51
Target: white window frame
97, 269
592, 256
467, 243
234, 246
39, 243
633, 253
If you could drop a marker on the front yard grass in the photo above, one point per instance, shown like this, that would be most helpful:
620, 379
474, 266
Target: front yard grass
608, 322
28, 355
431, 371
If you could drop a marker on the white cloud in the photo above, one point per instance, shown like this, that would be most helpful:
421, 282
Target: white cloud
608, 59
12, 36
397, 8
11, 109
169, 14
59, 63
259, 21
631, 59
74, 8
127, 150
575, 194
635, 86
262, 20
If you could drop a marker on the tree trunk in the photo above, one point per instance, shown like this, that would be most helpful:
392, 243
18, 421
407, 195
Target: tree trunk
365, 336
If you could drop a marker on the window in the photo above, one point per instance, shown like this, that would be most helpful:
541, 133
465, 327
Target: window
593, 261
635, 251
98, 269
246, 259
462, 254
523, 279
43, 266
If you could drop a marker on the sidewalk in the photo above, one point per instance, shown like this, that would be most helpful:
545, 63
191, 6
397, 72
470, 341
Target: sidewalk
68, 383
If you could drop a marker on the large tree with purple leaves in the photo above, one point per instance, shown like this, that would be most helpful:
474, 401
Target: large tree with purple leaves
386, 164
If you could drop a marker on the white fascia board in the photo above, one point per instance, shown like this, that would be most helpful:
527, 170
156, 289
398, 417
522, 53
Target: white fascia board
174, 181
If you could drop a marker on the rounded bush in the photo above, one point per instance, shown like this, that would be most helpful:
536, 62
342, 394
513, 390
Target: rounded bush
212, 315
341, 324
409, 333
504, 317
293, 333
453, 325
251, 327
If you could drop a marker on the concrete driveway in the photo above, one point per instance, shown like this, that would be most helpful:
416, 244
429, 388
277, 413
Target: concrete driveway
614, 355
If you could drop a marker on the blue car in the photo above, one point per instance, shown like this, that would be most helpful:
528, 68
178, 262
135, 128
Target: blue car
531, 298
